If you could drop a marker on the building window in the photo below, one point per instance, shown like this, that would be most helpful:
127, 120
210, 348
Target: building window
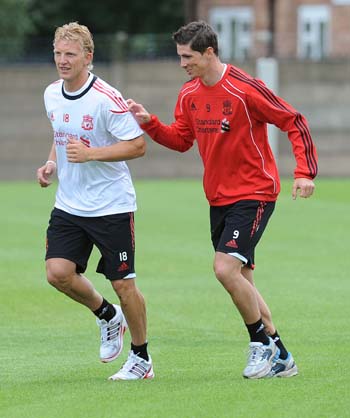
313, 32
234, 28
341, 2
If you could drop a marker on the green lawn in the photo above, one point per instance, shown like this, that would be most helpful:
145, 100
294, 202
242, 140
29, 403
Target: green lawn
49, 364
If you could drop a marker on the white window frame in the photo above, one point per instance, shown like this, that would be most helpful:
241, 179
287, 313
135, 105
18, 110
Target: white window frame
341, 2
312, 44
238, 45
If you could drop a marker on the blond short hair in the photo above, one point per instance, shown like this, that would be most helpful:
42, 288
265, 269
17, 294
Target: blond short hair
75, 32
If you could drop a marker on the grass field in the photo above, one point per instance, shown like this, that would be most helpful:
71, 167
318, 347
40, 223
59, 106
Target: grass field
49, 364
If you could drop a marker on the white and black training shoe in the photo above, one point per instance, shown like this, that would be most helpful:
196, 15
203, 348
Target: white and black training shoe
135, 368
112, 335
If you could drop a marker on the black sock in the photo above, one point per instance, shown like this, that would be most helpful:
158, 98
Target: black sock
257, 333
140, 350
277, 340
106, 311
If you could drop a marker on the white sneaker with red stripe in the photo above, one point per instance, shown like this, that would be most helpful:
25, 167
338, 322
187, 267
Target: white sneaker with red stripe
135, 368
112, 335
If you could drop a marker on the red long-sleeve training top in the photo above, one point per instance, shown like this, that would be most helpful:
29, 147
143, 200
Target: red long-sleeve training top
229, 121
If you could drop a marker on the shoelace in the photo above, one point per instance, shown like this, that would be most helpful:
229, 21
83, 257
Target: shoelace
109, 331
254, 353
132, 365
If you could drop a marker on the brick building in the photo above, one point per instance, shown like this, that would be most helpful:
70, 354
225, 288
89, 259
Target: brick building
287, 29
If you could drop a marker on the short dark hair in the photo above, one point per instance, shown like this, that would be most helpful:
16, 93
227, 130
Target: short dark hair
199, 35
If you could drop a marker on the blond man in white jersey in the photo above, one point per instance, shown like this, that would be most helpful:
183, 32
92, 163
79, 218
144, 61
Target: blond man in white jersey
94, 134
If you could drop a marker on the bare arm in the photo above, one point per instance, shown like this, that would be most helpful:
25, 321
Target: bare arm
139, 112
77, 152
45, 172
305, 187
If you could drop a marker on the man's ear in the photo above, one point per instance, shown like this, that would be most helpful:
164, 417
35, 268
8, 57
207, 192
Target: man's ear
89, 57
209, 51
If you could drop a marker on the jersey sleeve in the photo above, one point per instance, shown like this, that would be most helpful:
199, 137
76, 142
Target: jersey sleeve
177, 136
266, 107
119, 121
49, 103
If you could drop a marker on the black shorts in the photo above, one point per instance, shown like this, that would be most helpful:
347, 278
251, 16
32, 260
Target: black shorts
73, 237
237, 228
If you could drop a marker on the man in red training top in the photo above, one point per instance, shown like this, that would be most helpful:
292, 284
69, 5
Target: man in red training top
226, 111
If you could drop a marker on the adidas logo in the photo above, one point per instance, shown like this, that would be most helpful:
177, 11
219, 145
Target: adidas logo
260, 328
231, 244
123, 266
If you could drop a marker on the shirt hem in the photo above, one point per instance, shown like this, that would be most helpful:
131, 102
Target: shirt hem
229, 201
94, 214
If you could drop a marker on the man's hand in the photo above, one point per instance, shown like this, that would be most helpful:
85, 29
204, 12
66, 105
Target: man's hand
139, 112
45, 173
305, 186
77, 152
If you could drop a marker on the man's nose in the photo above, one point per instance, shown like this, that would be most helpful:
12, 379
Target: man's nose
62, 58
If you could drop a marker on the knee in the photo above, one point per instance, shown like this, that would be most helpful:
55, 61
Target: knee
228, 274
124, 288
221, 271
58, 277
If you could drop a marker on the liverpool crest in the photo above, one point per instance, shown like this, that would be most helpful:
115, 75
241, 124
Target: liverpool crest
87, 123
227, 107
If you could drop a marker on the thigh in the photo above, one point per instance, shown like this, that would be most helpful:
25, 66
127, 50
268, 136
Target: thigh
67, 239
114, 236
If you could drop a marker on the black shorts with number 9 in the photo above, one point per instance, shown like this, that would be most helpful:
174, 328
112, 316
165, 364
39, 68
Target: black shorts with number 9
72, 237
237, 228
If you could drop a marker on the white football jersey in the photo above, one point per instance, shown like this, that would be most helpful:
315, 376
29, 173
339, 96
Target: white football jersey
98, 116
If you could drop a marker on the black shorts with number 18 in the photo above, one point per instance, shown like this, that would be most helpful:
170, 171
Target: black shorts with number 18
72, 237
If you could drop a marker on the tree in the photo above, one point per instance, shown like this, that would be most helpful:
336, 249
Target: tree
109, 16
15, 25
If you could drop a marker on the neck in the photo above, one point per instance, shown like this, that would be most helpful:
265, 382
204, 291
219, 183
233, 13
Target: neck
214, 74
77, 83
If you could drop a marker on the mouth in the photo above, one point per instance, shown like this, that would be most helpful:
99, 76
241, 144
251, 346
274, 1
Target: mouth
63, 69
